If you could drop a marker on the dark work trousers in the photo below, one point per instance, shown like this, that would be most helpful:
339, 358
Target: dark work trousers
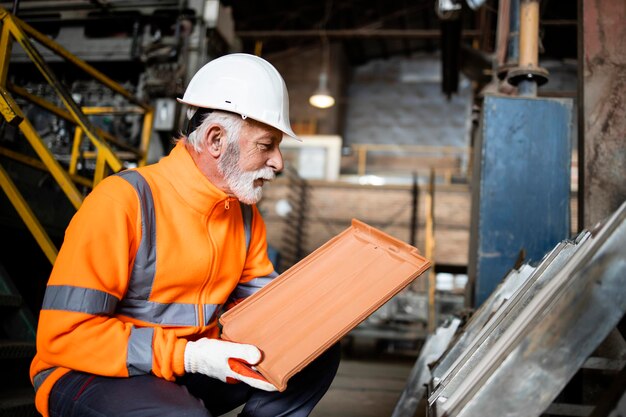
79, 394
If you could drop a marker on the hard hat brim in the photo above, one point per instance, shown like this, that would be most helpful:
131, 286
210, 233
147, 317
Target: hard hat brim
288, 132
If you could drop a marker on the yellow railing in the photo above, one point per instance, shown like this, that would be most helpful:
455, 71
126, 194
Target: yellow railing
108, 151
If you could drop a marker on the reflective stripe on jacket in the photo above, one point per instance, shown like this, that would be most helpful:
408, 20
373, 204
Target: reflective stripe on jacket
147, 262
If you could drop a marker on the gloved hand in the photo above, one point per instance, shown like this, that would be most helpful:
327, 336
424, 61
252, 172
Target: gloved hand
225, 361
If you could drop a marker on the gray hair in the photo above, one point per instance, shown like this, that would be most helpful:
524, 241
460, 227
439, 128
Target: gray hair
230, 122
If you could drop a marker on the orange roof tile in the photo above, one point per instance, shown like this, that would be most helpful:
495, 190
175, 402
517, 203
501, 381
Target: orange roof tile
320, 299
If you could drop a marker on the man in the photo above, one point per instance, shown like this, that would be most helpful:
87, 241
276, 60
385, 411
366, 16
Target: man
128, 325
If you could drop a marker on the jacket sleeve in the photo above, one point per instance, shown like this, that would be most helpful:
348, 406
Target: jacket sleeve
258, 270
77, 329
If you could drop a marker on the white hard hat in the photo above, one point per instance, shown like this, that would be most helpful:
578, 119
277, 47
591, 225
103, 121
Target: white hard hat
244, 84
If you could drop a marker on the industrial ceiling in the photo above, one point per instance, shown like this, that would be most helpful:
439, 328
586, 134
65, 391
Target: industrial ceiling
367, 29
372, 29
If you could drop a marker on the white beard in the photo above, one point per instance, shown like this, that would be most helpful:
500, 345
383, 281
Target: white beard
241, 183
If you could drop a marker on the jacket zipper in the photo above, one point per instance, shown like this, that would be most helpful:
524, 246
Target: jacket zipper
212, 271
208, 278
227, 202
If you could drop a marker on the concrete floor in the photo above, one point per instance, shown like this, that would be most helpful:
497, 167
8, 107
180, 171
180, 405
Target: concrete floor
363, 388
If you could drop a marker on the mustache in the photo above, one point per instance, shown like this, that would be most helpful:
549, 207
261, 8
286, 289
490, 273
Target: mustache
266, 173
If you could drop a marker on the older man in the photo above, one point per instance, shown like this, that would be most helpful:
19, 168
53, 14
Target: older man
128, 325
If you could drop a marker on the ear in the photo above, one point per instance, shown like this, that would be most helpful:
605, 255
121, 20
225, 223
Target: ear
215, 140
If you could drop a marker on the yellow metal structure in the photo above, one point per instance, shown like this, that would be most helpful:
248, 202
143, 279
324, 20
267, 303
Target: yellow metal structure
429, 252
28, 216
108, 152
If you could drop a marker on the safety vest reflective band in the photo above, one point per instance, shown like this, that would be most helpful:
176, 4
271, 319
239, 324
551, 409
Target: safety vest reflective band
144, 267
246, 289
138, 358
136, 304
41, 377
96, 302
80, 300
139, 351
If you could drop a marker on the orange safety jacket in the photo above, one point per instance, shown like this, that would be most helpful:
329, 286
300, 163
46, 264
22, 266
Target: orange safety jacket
148, 261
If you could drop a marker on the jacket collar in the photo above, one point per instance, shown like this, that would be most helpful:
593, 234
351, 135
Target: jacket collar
190, 182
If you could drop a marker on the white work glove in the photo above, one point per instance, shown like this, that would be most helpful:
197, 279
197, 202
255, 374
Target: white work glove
225, 361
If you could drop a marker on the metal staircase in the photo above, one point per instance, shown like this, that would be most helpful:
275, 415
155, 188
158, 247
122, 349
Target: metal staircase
17, 349
90, 151
93, 153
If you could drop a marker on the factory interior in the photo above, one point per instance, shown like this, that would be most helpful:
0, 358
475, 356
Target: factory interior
488, 134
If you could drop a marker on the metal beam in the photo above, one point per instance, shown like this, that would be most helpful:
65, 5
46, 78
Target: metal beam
62, 52
19, 30
22, 208
22, 92
602, 109
5, 49
353, 33
56, 170
37, 164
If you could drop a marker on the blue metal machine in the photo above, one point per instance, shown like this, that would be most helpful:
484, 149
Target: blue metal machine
520, 204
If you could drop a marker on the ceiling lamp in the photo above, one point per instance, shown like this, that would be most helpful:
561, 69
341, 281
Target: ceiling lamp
322, 98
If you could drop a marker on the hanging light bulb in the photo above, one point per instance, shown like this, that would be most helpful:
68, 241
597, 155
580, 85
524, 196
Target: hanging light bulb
322, 98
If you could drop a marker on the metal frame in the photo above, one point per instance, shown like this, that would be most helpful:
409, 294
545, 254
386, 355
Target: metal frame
437, 369
549, 339
505, 291
107, 158
452, 377
38, 232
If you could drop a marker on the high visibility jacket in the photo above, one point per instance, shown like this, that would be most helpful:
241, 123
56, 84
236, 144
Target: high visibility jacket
147, 262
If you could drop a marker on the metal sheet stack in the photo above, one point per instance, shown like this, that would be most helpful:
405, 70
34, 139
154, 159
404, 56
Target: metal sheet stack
536, 330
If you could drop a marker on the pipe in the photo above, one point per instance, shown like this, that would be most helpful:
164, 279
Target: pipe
353, 33
502, 32
529, 34
528, 45
513, 45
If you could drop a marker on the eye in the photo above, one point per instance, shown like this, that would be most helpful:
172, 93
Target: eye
264, 146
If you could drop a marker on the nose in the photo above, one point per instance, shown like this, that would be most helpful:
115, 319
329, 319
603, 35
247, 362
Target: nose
275, 160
